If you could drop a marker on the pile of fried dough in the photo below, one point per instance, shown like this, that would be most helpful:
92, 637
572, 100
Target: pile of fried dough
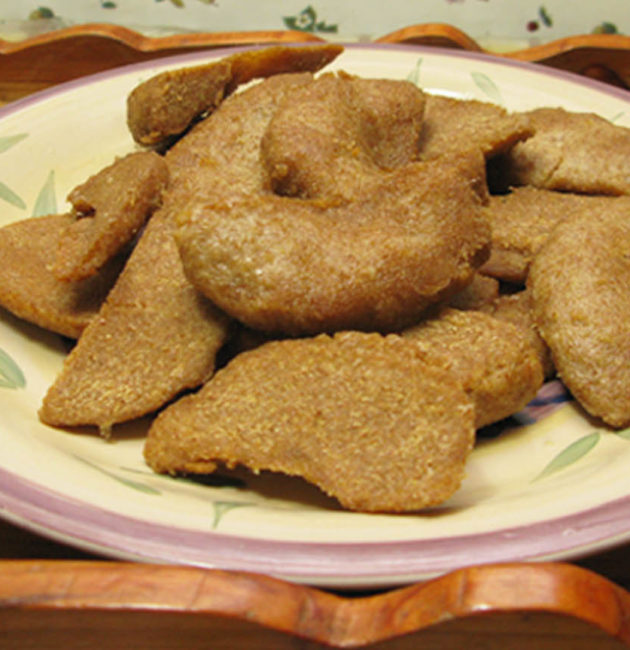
332, 277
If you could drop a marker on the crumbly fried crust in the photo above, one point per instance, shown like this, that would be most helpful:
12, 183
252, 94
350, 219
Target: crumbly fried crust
296, 266
153, 337
516, 308
360, 415
580, 283
482, 290
573, 152
522, 220
221, 155
169, 333
168, 103
493, 359
28, 287
109, 209
454, 125
334, 137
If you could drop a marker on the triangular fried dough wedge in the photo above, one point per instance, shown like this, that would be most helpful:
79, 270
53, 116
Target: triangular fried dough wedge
168, 103
109, 209
29, 289
359, 415
154, 337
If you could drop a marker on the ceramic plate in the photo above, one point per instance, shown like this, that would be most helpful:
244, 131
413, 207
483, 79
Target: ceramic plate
549, 483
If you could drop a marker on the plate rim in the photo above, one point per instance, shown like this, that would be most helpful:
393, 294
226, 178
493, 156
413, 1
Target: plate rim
40, 509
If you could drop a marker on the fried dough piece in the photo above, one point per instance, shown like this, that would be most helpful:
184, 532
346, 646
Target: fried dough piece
580, 283
334, 137
374, 274
516, 308
493, 359
221, 155
153, 337
28, 287
482, 290
169, 102
522, 220
109, 209
453, 125
572, 152
360, 415
169, 332
293, 266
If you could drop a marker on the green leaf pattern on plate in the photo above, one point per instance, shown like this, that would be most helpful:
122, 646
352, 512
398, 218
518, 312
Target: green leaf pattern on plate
487, 86
577, 450
9, 141
570, 454
414, 75
6, 193
222, 507
11, 376
46, 202
135, 485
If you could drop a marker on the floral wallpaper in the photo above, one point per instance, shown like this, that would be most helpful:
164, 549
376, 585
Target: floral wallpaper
487, 21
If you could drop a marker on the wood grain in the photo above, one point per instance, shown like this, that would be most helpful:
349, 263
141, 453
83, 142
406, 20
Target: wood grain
72, 52
604, 57
67, 600
432, 34
48, 59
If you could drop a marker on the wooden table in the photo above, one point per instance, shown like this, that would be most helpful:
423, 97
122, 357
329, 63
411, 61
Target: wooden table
54, 596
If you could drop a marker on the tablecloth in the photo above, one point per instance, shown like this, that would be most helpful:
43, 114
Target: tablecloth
494, 24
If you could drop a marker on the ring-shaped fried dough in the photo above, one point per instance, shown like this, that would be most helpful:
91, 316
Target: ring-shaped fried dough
580, 284
360, 415
294, 266
333, 137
